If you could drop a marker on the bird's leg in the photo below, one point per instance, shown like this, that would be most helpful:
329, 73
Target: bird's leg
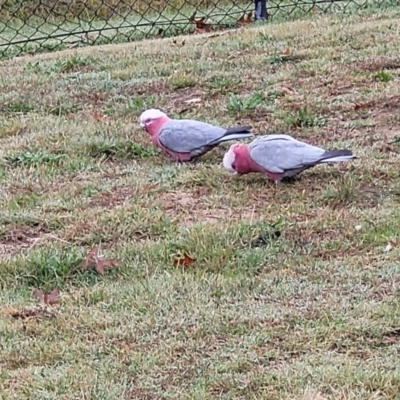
276, 183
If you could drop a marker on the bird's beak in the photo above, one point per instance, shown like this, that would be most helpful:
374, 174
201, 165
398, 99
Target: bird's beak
142, 125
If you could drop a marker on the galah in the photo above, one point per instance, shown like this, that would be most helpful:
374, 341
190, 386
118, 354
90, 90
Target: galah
279, 156
185, 139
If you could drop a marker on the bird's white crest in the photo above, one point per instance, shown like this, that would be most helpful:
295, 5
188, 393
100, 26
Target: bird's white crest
149, 115
229, 160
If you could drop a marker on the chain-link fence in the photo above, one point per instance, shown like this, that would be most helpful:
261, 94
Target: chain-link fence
29, 26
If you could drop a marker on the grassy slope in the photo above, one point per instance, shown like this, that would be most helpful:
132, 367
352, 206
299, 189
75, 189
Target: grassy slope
24, 31
312, 314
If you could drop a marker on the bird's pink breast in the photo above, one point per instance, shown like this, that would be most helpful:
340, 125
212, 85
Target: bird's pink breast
245, 164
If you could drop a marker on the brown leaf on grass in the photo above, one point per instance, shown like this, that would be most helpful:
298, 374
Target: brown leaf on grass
246, 19
100, 262
359, 105
201, 26
287, 52
103, 263
160, 33
206, 28
184, 261
90, 258
47, 298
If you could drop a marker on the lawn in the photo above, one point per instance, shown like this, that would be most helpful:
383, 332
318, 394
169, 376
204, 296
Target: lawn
294, 291
26, 27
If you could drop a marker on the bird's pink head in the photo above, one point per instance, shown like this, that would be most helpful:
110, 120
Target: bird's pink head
233, 157
152, 120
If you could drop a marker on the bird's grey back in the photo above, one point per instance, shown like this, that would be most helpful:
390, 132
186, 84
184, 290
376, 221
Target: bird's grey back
185, 135
278, 153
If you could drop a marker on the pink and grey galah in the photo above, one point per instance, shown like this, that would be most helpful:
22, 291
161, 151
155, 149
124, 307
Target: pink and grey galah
279, 156
185, 139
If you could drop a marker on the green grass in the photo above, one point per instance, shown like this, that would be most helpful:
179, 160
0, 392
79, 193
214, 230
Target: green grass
42, 26
294, 293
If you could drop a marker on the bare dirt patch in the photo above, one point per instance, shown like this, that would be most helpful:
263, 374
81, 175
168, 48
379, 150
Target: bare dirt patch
189, 207
93, 99
378, 64
111, 199
21, 237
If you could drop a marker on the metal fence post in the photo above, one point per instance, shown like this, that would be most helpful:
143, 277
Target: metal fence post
260, 11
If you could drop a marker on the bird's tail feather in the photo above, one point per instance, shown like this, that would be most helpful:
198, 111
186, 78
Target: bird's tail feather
234, 136
239, 132
337, 156
238, 129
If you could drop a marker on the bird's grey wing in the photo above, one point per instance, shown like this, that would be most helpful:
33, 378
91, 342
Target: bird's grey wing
275, 136
281, 154
183, 136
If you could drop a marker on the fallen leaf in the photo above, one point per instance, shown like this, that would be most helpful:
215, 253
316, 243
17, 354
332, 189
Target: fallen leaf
160, 33
184, 261
197, 31
201, 26
103, 263
90, 258
244, 20
204, 29
100, 262
48, 298
357, 106
286, 52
